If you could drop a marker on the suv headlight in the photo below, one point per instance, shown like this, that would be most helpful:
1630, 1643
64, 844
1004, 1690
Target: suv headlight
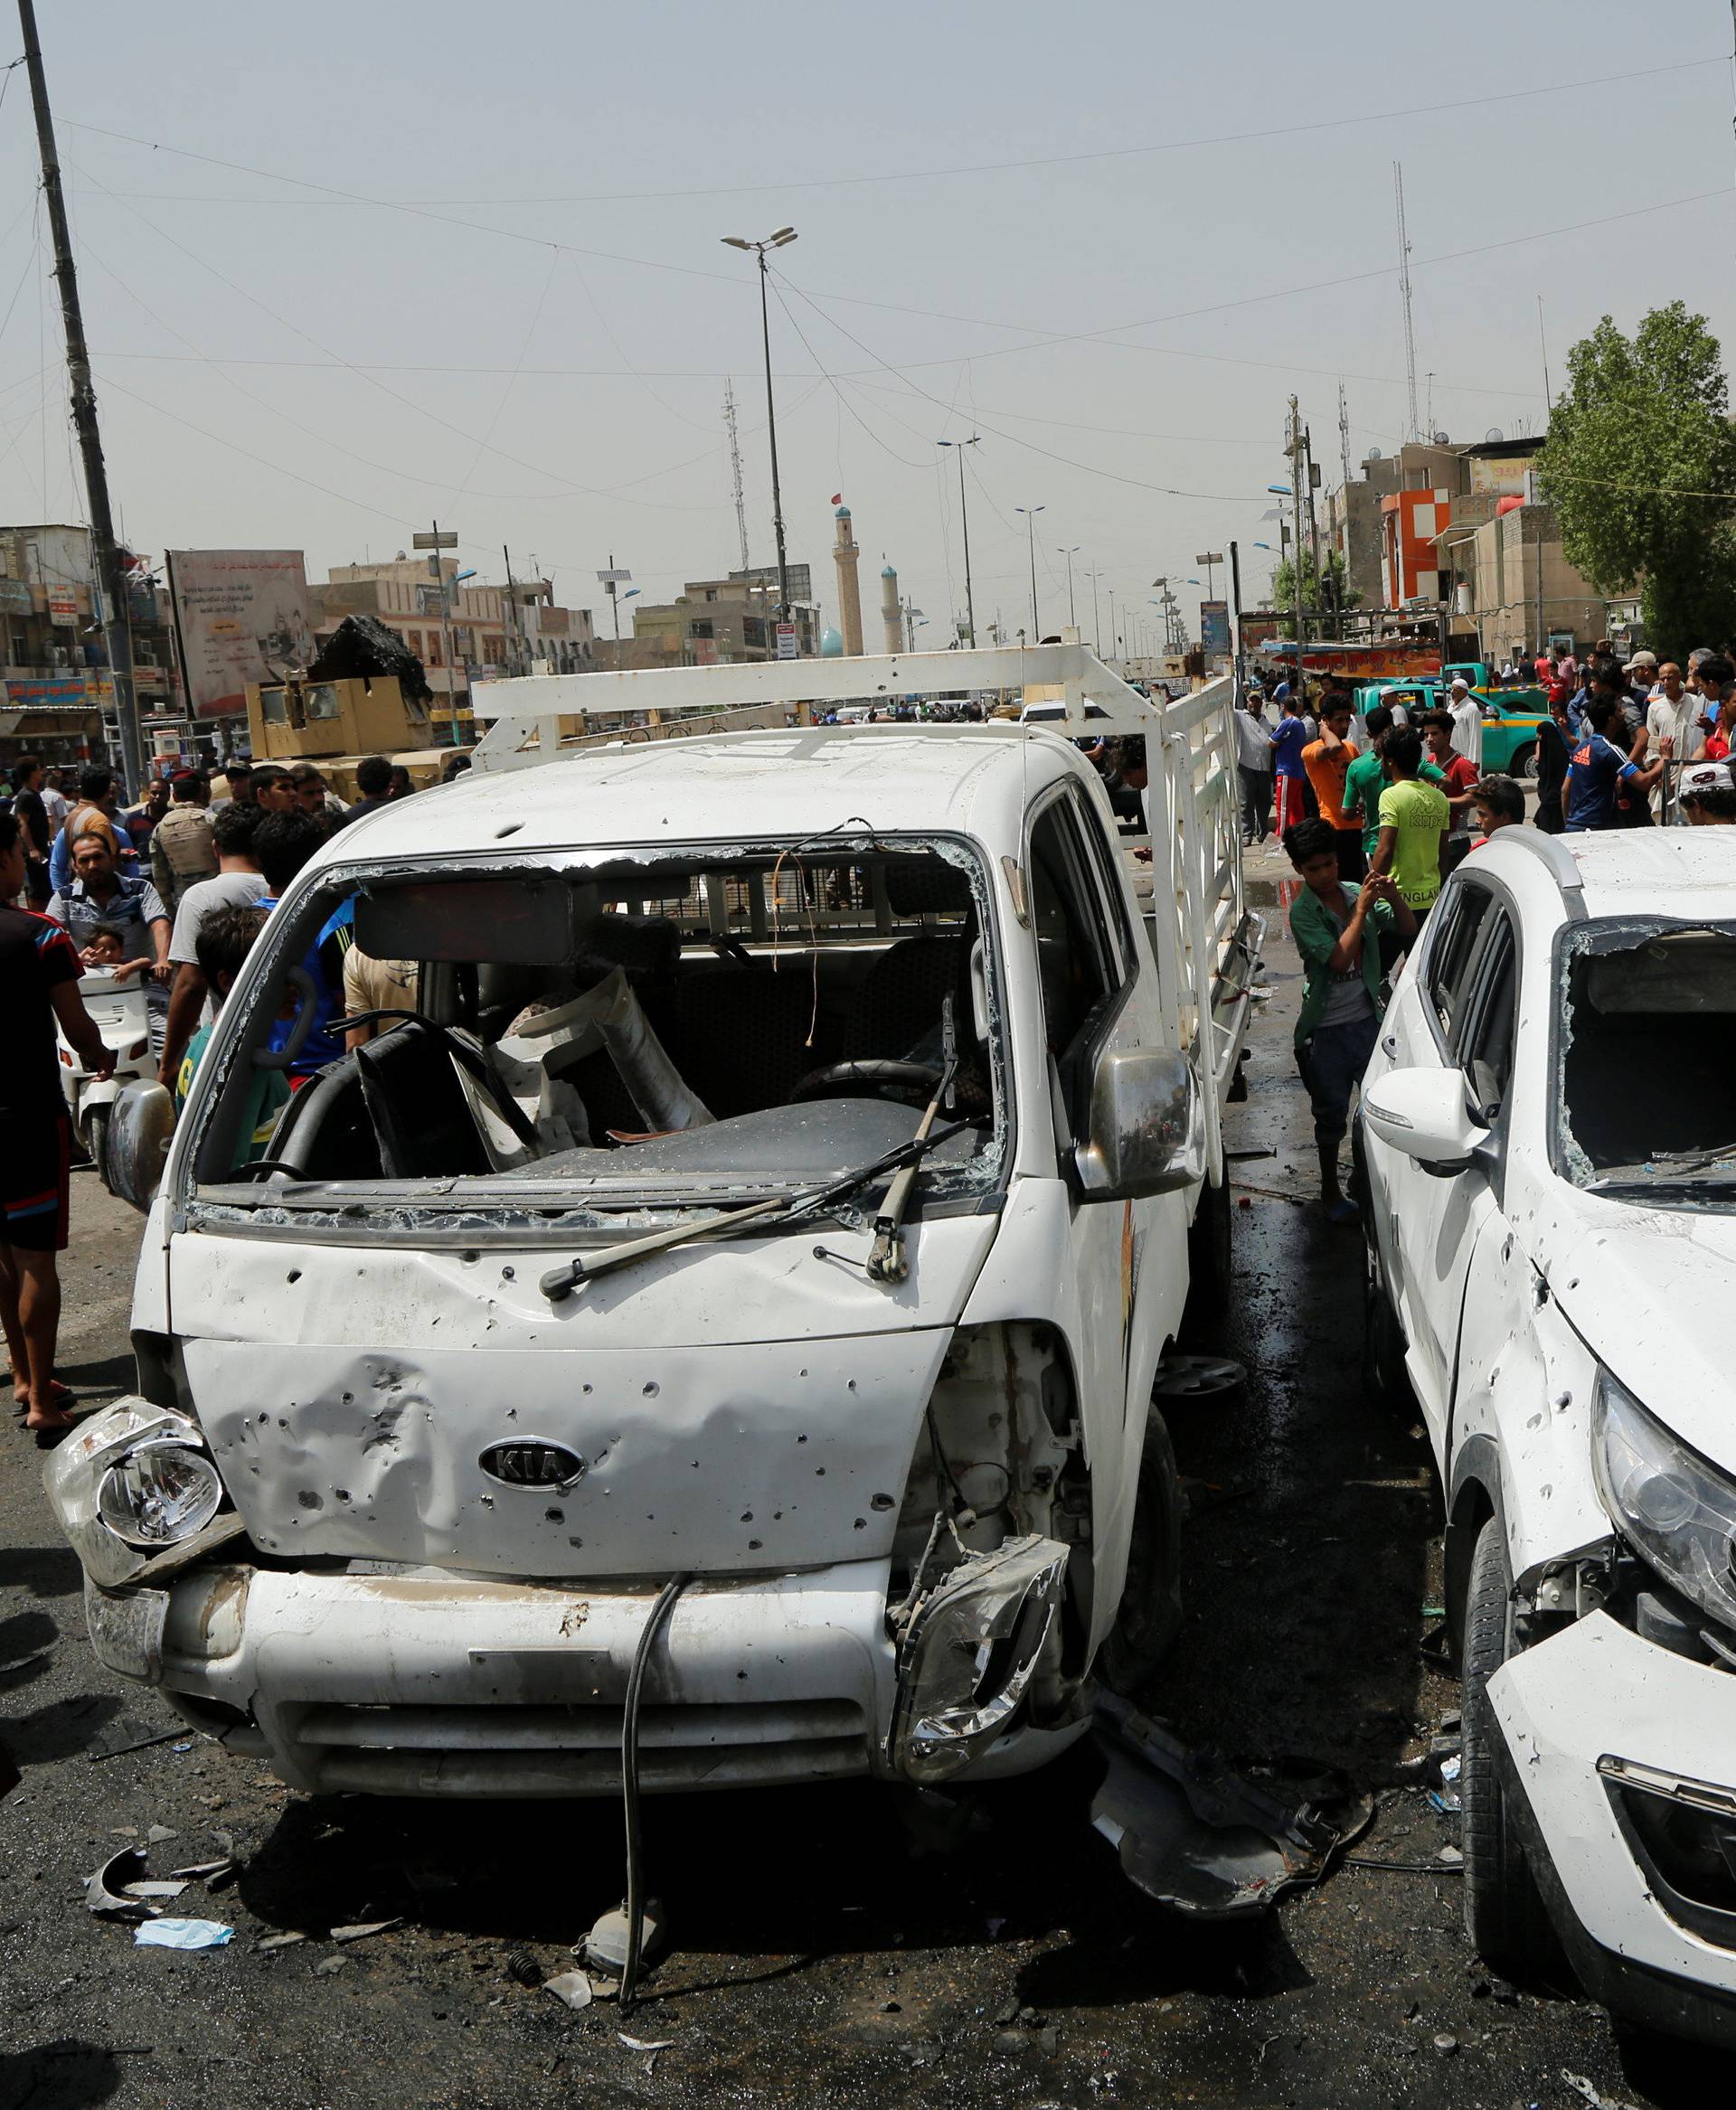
1677, 1511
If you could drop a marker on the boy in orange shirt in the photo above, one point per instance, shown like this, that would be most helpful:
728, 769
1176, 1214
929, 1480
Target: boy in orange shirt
1326, 761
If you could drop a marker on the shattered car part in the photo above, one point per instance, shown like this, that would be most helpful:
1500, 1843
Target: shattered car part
573, 1989
1204, 1839
106, 1890
969, 1653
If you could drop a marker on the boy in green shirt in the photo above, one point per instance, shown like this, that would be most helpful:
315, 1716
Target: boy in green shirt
1335, 928
1414, 818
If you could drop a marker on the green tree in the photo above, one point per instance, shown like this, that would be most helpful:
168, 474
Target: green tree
1640, 467
1317, 592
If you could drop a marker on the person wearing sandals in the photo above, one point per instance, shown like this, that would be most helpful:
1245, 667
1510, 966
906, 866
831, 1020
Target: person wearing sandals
39, 971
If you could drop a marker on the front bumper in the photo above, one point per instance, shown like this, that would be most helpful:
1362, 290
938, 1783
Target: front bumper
1579, 1712
419, 1682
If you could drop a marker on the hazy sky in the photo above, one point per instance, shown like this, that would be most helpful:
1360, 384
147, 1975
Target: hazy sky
329, 361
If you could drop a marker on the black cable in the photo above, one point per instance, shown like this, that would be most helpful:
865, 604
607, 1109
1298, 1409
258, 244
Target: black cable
659, 1611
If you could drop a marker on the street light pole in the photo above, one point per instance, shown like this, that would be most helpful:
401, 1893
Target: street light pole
772, 241
1031, 512
975, 440
1096, 617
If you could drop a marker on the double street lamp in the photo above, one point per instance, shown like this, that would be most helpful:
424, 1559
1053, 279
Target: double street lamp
975, 440
773, 242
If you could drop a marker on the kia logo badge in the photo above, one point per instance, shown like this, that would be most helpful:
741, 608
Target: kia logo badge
533, 1462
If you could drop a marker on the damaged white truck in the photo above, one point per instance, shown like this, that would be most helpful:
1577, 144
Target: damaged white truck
1551, 1155
716, 1322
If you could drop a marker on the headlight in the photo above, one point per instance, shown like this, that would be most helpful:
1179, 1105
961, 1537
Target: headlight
158, 1495
117, 1502
1677, 1511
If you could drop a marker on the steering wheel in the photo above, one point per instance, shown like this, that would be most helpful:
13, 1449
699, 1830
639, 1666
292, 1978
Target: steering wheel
878, 1077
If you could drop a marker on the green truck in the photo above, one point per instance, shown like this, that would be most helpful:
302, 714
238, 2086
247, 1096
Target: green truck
1510, 716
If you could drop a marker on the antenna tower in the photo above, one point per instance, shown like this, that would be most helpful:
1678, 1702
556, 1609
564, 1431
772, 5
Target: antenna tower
1344, 434
735, 468
1413, 430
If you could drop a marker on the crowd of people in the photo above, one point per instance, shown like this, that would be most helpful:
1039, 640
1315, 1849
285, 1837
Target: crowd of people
168, 894
1375, 808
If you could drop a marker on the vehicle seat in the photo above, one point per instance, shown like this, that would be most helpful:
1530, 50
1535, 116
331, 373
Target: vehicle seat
899, 1000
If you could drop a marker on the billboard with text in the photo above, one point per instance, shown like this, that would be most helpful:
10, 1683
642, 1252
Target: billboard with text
243, 616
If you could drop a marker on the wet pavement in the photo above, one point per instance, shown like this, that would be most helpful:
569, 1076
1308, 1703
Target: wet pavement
829, 1945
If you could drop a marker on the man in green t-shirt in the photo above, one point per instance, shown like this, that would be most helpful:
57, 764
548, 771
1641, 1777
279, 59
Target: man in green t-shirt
1368, 776
1414, 817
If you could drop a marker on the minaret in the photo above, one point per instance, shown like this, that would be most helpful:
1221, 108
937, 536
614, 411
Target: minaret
892, 614
844, 555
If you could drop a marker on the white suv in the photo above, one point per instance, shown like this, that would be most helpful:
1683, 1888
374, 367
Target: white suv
1548, 1138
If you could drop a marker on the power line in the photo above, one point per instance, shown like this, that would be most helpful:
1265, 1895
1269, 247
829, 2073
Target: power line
1188, 146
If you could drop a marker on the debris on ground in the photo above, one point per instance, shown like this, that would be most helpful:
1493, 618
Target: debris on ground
645, 2043
523, 1968
106, 1890
277, 1941
329, 1966
605, 1946
182, 1934
1206, 1840
1198, 1377
158, 1889
572, 1988
1581, 2087
363, 1928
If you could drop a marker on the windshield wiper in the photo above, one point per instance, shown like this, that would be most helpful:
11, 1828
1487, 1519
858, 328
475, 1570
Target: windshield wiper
559, 1283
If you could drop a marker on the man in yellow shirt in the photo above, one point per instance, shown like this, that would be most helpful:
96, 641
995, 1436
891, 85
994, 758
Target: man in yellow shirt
1414, 821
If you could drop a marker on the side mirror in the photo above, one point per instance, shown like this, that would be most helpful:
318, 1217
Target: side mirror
1147, 1125
140, 1127
1425, 1113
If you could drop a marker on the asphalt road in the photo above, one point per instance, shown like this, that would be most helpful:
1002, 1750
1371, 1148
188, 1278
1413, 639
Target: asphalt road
825, 1949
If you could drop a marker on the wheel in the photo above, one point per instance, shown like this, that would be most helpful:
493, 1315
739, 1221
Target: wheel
1150, 1614
95, 1141
1384, 1378
1210, 1273
1504, 1908
1525, 763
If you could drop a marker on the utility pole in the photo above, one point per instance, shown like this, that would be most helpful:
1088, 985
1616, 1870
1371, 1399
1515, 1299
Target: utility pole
1072, 618
105, 550
1031, 512
975, 440
1235, 612
434, 543
1097, 613
772, 241
1295, 451
515, 642
735, 472
1412, 431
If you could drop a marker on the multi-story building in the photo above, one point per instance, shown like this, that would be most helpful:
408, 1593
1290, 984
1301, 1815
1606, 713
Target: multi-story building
56, 682
489, 630
727, 621
1463, 542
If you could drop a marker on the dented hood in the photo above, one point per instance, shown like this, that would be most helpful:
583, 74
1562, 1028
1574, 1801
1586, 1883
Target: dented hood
735, 1408
1646, 1289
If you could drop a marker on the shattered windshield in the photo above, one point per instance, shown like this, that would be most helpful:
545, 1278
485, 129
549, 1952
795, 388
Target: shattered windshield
1633, 988
642, 1028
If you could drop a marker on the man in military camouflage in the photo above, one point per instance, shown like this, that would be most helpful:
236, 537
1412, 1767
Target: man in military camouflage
181, 846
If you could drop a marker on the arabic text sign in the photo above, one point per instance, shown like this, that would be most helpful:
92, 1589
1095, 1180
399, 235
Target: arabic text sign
245, 616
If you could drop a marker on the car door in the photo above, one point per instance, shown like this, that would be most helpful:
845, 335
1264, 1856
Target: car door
1461, 1019
1090, 969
